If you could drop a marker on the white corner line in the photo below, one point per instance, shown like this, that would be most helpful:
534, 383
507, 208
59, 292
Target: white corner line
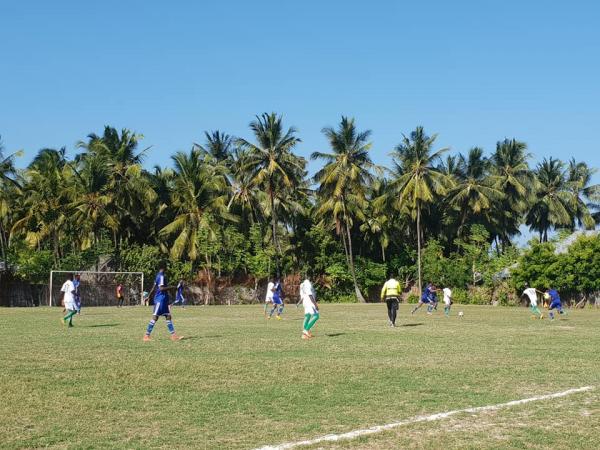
379, 428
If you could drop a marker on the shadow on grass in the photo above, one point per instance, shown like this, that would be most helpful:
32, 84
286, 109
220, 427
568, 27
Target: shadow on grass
191, 338
411, 324
103, 325
334, 334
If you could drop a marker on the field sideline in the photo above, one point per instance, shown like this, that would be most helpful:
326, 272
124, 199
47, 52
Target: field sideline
240, 381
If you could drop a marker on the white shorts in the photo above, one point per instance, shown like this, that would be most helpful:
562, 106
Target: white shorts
71, 306
269, 300
310, 310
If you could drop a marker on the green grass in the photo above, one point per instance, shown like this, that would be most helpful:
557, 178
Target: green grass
240, 381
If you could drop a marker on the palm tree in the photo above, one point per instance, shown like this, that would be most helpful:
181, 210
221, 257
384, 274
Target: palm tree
272, 165
219, 145
550, 207
45, 206
343, 183
378, 215
198, 197
246, 200
473, 194
510, 175
91, 198
584, 198
419, 182
8, 184
131, 192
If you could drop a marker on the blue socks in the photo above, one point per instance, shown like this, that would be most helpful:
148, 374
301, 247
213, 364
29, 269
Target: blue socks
170, 327
150, 327
151, 324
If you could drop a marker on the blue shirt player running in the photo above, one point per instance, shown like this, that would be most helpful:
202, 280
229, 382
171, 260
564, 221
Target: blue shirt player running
555, 302
428, 297
161, 306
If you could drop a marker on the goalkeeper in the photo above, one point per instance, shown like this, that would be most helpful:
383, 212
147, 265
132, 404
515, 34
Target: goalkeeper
390, 294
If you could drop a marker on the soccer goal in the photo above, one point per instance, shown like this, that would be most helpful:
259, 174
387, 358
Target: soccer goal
99, 288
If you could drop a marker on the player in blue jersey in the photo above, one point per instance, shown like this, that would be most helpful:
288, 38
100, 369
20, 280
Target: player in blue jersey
277, 299
161, 306
179, 298
428, 297
76, 284
555, 303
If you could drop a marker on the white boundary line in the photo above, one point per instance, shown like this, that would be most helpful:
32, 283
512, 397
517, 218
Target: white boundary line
377, 429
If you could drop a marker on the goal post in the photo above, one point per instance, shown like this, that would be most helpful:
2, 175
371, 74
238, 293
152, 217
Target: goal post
98, 288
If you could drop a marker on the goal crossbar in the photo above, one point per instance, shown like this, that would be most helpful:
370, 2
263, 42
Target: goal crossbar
80, 272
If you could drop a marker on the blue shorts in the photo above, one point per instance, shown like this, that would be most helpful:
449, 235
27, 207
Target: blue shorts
425, 300
161, 306
277, 301
555, 305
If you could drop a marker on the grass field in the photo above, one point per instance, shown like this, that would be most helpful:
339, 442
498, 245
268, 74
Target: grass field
240, 381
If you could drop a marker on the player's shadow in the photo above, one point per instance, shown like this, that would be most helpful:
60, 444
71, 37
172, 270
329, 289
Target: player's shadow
211, 336
411, 324
103, 325
334, 334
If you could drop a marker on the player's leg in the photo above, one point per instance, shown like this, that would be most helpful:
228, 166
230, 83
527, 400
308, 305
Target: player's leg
536, 311
312, 322
151, 324
421, 303
305, 331
265, 308
69, 317
273, 308
280, 310
430, 307
388, 303
395, 307
171, 328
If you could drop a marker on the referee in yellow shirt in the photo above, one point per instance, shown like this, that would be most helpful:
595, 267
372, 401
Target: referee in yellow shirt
390, 293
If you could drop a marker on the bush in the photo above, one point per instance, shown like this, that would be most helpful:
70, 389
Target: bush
32, 265
473, 296
412, 298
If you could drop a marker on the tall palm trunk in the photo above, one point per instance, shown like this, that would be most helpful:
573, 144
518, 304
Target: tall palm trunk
274, 230
419, 247
2, 246
359, 296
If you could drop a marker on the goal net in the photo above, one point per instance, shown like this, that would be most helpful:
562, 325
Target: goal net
99, 288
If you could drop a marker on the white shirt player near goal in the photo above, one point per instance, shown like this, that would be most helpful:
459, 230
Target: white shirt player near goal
68, 289
269, 295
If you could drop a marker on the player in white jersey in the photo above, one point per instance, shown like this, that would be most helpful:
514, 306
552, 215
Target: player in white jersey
447, 300
269, 297
311, 308
69, 300
531, 293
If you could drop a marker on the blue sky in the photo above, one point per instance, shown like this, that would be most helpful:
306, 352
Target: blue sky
472, 71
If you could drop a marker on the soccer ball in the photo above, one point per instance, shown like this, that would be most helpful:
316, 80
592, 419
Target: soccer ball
460, 314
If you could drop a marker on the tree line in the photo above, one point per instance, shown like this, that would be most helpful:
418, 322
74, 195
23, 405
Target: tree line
233, 206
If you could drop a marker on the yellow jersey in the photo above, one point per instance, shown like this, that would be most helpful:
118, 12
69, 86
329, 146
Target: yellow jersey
391, 288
